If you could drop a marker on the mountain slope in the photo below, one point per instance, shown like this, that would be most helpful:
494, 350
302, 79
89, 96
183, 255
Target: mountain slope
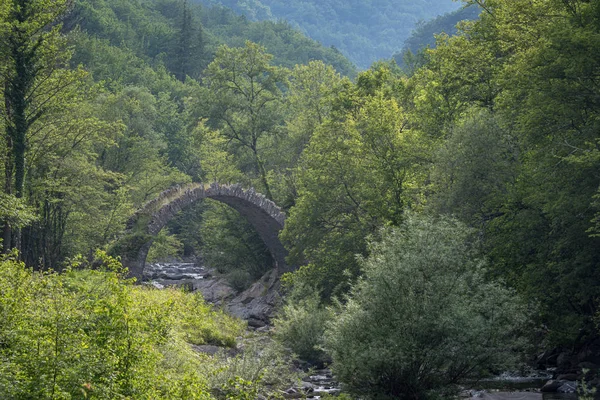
424, 34
154, 30
363, 30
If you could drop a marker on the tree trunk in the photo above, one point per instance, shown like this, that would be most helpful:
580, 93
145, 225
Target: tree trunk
8, 174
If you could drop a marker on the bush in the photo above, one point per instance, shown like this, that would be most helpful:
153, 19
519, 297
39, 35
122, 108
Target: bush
239, 279
423, 317
301, 323
261, 370
92, 334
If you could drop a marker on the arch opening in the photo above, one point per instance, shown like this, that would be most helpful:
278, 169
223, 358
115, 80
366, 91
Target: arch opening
265, 217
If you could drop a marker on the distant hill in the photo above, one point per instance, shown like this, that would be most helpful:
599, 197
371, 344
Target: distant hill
363, 30
166, 31
424, 34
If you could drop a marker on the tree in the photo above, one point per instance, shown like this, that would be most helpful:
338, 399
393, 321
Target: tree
33, 77
189, 54
184, 44
247, 103
309, 102
473, 169
359, 172
423, 316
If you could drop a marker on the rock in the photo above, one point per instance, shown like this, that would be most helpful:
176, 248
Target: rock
587, 365
512, 396
259, 301
207, 349
551, 386
215, 291
476, 394
263, 329
567, 387
256, 323
542, 359
307, 387
590, 352
568, 377
551, 360
563, 362
256, 304
292, 393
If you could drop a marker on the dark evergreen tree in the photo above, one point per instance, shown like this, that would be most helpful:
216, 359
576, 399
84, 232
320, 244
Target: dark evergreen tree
184, 44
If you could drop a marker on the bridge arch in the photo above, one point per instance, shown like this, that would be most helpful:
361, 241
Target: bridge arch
264, 215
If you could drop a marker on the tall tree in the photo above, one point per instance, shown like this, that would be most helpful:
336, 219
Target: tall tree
359, 172
33, 56
247, 102
184, 45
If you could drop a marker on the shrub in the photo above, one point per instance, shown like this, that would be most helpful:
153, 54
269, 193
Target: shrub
262, 369
424, 316
301, 323
90, 333
239, 279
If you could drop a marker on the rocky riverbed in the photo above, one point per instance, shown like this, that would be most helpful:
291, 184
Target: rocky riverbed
256, 304
556, 379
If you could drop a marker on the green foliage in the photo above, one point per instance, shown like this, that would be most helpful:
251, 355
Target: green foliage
359, 171
218, 165
309, 101
473, 169
423, 317
229, 243
423, 36
247, 100
300, 325
164, 247
15, 212
261, 369
240, 389
90, 333
154, 30
99, 151
584, 391
523, 171
363, 31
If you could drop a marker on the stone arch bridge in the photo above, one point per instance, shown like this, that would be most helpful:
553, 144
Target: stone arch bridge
264, 215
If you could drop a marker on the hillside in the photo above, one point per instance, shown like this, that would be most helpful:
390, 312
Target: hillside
424, 34
364, 31
164, 31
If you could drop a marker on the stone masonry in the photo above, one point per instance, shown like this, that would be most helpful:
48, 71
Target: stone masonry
264, 215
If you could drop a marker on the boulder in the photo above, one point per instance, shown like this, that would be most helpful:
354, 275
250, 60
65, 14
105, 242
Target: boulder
568, 377
551, 386
207, 349
567, 387
590, 352
258, 302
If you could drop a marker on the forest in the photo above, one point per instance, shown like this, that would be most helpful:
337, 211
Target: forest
365, 31
443, 215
